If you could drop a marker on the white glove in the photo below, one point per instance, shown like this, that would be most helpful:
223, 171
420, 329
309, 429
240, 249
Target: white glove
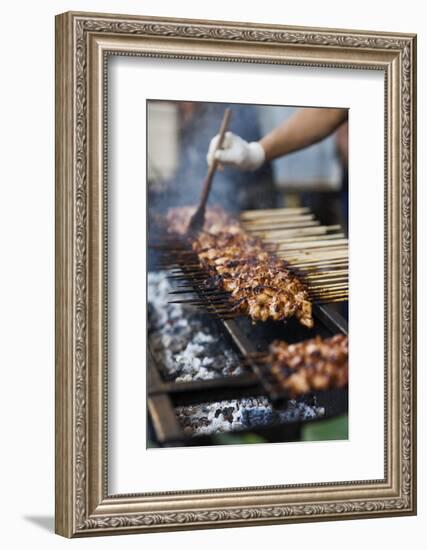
236, 152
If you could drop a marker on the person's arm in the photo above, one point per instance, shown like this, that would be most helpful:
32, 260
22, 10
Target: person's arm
305, 127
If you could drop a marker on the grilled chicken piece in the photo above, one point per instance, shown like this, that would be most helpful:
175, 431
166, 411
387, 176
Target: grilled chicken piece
312, 365
260, 284
259, 281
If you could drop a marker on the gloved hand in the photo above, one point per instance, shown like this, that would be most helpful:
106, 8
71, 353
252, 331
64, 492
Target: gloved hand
236, 152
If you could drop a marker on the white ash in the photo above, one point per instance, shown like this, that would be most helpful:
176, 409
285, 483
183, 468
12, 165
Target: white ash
185, 347
241, 414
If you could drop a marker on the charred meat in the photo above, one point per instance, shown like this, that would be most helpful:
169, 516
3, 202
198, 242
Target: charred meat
309, 366
260, 285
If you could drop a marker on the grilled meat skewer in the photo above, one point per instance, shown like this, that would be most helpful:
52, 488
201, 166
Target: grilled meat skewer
259, 283
312, 365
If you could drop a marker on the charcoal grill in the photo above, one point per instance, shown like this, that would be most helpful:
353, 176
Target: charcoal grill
246, 337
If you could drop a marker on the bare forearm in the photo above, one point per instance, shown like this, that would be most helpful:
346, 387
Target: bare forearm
305, 127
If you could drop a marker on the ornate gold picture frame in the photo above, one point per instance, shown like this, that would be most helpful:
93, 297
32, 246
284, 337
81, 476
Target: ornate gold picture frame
84, 42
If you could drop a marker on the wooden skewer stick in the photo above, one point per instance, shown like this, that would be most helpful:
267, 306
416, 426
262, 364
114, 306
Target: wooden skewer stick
266, 232
330, 280
266, 224
275, 243
307, 254
340, 291
328, 291
313, 270
323, 250
332, 292
313, 245
294, 262
311, 254
337, 291
326, 274
292, 255
320, 264
338, 263
325, 285
306, 231
329, 284
304, 250
265, 212
275, 213
332, 296
276, 210
279, 216
307, 238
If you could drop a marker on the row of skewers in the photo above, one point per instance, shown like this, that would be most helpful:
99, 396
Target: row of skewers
268, 264
315, 252
310, 366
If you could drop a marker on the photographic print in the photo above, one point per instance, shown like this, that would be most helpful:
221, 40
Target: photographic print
235, 274
248, 293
